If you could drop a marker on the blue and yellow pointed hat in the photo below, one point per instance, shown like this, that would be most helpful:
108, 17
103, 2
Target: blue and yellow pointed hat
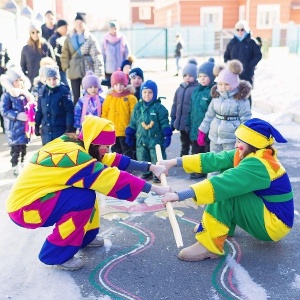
258, 133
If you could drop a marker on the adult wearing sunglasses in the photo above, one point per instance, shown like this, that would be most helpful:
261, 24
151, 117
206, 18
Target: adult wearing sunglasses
32, 53
245, 49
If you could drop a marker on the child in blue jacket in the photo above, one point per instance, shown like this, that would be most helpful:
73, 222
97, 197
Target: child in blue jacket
14, 103
55, 110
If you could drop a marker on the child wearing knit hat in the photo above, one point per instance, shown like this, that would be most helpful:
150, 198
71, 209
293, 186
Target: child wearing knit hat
136, 77
200, 100
18, 110
149, 124
117, 107
229, 107
91, 102
254, 191
127, 64
55, 111
181, 104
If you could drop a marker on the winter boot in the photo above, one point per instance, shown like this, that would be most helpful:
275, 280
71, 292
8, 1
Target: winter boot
196, 252
96, 242
16, 170
72, 264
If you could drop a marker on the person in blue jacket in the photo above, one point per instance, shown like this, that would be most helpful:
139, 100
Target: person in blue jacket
55, 110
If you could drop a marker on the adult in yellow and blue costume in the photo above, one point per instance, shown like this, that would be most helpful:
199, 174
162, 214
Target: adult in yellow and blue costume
58, 185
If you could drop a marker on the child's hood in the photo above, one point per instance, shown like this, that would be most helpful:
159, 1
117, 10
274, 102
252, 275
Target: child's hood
129, 88
243, 91
13, 91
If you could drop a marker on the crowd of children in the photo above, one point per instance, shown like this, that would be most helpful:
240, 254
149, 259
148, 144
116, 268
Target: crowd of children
208, 106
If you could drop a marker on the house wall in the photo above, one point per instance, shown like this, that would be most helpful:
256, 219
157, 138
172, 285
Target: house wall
135, 16
295, 15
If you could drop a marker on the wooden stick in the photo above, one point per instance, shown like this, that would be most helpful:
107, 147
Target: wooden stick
171, 214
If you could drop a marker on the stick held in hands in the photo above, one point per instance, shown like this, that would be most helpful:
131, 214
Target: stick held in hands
171, 214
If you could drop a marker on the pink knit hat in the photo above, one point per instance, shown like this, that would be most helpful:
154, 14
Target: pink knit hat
119, 77
229, 73
90, 79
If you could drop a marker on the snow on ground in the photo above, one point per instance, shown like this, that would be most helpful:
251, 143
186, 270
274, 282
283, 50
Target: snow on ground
276, 97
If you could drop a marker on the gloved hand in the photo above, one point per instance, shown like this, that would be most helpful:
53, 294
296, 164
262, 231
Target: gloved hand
130, 134
201, 138
167, 141
187, 129
70, 129
172, 124
37, 131
167, 132
22, 116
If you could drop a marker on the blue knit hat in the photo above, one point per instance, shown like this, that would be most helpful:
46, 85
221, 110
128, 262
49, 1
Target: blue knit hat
190, 68
258, 133
136, 72
151, 85
207, 69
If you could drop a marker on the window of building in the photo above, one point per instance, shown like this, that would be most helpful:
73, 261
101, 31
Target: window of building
145, 13
267, 16
169, 16
212, 14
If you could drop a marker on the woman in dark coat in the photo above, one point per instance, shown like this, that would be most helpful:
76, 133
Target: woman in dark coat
245, 49
32, 53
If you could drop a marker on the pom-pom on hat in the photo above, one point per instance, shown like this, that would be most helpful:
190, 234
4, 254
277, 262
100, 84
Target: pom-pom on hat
229, 73
258, 133
151, 85
190, 68
97, 131
207, 69
130, 59
136, 72
81, 16
90, 79
118, 77
242, 24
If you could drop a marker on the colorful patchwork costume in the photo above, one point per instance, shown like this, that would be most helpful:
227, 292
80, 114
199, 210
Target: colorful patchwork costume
254, 193
58, 188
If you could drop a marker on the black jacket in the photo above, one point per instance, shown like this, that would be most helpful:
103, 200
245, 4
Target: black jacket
30, 59
247, 52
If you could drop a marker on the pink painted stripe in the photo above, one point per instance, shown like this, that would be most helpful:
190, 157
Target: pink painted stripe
106, 274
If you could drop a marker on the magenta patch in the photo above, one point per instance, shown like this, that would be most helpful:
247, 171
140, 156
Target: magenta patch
45, 209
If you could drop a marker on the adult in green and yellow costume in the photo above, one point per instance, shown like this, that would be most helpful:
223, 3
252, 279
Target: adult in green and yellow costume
253, 191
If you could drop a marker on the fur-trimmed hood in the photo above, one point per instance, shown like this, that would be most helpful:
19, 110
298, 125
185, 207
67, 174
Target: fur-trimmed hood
129, 88
243, 91
16, 92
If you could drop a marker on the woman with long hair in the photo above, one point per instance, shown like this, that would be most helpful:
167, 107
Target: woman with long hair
32, 53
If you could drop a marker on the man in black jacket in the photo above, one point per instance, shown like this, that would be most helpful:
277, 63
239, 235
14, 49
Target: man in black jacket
57, 41
245, 49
